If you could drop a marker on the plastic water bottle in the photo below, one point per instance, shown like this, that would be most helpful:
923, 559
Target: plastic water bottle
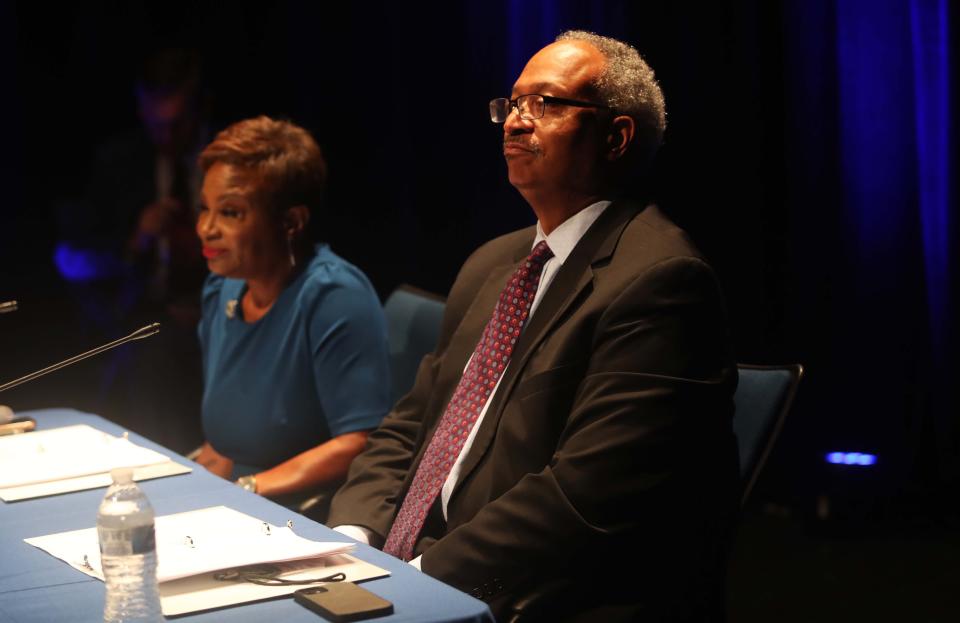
128, 552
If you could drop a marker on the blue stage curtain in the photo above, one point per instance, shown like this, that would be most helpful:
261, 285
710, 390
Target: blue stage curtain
871, 133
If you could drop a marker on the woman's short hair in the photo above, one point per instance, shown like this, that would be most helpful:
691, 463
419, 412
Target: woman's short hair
287, 165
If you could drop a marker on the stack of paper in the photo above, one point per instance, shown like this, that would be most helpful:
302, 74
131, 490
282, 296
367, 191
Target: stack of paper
192, 546
72, 458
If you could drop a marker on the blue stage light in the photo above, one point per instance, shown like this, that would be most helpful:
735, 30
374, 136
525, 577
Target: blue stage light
74, 265
860, 459
80, 265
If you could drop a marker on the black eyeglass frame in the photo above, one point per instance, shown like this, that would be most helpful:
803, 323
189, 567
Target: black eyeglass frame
547, 99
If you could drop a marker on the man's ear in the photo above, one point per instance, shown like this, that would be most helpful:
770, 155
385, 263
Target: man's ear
620, 137
295, 220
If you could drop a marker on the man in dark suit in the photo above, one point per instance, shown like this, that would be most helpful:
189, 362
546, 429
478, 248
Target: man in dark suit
566, 451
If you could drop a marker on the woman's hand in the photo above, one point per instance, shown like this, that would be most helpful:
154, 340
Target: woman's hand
323, 466
215, 462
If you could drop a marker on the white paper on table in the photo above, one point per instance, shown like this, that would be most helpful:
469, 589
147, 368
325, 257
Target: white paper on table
72, 458
203, 592
93, 481
221, 538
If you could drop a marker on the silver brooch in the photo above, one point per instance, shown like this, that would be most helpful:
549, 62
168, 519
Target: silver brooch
231, 309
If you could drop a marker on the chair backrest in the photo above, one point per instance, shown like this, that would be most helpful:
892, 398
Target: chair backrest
413, 327
763, 398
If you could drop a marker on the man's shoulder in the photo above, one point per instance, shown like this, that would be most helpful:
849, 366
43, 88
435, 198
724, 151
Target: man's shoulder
653, 234
634, 241
636, 235
505, 248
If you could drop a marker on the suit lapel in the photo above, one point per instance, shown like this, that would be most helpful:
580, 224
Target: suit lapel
573, 278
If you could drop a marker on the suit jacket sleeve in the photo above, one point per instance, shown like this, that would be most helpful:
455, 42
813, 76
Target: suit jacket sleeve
631, 463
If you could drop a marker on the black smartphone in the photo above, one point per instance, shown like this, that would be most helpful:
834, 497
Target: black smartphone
18, 425
343, 601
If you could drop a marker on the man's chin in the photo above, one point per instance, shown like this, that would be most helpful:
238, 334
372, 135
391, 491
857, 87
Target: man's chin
520, 175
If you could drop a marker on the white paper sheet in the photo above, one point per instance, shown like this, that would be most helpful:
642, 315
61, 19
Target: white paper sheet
70, 453
204, 592
193, 545
93, 481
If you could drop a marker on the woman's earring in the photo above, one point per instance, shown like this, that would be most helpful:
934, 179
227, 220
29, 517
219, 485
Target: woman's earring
293, 258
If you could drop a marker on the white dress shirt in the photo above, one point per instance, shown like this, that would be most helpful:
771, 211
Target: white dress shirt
561, 241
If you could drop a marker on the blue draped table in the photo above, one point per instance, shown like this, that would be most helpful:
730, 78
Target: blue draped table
36, 587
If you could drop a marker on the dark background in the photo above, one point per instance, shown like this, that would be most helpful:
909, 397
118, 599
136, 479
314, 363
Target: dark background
798, 155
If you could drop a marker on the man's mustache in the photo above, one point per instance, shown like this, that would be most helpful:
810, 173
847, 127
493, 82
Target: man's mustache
521, 142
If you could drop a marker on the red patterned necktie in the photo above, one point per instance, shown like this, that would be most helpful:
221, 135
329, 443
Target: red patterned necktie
490, 359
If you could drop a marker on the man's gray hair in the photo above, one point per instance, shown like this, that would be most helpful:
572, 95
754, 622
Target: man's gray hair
628, 85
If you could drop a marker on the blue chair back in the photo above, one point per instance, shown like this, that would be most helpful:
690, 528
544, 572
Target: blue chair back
763, 399
413, 328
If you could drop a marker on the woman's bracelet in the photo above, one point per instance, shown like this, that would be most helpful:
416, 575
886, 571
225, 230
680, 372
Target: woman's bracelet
248, 482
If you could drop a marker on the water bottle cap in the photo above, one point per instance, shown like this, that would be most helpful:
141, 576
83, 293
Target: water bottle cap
121, 475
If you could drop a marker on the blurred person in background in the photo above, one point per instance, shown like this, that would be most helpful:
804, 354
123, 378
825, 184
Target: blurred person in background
129, 253
136, 219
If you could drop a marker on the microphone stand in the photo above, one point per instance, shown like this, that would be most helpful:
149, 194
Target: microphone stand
6, 413
139, 334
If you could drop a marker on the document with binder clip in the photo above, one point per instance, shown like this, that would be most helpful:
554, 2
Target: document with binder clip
73, 458
216, 557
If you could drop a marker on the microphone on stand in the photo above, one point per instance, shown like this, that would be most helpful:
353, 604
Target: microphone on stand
10, 424
139, 334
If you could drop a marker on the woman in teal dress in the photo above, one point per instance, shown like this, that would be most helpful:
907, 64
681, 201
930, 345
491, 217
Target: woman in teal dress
293, 337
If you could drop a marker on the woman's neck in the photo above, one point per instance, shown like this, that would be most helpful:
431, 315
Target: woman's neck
263, 291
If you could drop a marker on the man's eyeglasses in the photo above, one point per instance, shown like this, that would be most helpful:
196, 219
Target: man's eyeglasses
532, 106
